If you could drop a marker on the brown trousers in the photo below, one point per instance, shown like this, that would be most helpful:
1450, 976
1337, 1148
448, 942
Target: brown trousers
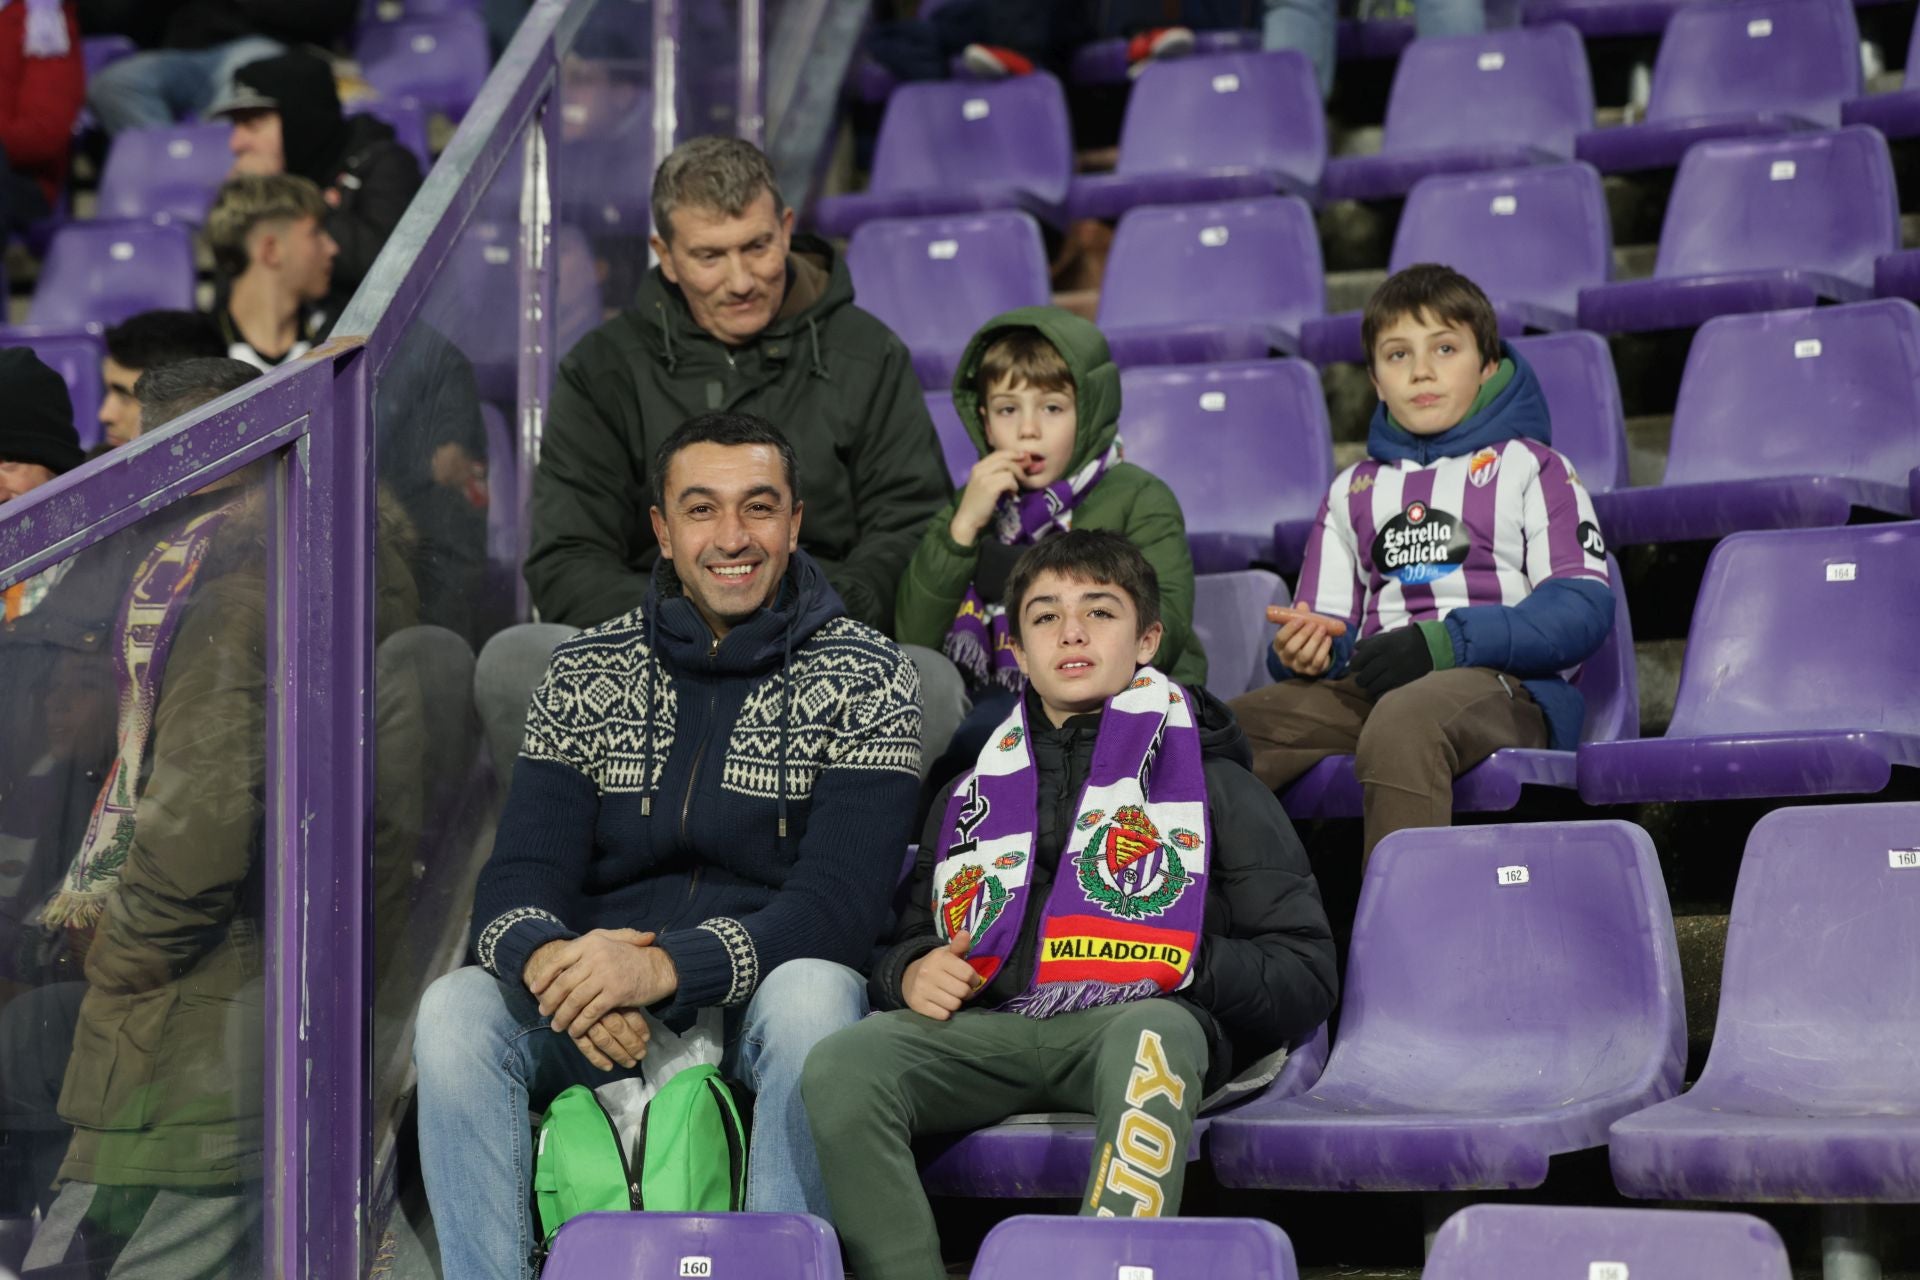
1408, 747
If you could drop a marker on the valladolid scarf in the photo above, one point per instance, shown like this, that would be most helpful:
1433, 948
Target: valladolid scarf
144, 632
979, 643
1123, 917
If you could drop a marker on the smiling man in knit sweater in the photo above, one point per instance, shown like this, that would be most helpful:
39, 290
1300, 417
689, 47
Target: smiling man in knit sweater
708, 811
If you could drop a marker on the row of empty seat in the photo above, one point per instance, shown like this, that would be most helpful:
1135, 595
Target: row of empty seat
1478, 1241
1817, 218
1232, 124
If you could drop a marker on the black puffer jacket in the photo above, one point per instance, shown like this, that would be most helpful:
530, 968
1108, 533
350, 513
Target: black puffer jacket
1265, 972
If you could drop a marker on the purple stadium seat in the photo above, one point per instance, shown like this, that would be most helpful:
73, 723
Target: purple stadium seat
439, 62
1809, 1091
408, 119
1530, 238
1511, 991
1239, 444
1230, 619
1786, 420
1049, 1156
1593, 18
75, 354
1583, 400
1897, 275
1461, 104
1191, 284
1645, 1244
1755, 68
642, 1246
1375, 39
956, 446
936, 280
1105, 61
1134, 1249
1761, 225
960, 147
1895, 114
1610, 683
1215, 128
102, 272
1773, 603
168, 174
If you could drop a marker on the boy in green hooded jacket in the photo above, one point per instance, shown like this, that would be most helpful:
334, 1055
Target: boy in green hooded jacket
1040, 395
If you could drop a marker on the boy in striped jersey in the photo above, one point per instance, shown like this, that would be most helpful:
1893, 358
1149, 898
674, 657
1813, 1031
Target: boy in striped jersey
1455, 577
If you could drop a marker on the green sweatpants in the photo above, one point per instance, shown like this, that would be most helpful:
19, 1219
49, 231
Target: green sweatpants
873, 1087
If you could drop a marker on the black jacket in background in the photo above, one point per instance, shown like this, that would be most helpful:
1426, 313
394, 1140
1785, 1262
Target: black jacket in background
1265, 973
201, 24
377, 178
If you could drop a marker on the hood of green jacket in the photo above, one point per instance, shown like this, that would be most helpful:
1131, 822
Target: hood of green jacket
818, 284
1096, 379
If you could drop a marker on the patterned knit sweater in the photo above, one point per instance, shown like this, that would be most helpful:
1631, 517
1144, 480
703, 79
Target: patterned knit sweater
659, 770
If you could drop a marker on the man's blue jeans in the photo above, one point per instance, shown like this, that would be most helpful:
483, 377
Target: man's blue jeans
161, 86
487, 1060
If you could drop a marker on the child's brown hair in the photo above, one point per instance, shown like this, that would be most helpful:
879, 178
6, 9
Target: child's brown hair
1439, 293
1022, 357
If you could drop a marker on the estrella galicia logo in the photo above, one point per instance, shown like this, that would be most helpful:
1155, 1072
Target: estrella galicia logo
1420, 545
1590, 540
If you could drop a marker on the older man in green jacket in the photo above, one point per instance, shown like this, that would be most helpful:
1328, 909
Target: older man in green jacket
741, 316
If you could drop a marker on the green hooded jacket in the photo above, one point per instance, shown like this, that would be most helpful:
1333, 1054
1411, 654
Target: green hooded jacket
834, 379
1126, 499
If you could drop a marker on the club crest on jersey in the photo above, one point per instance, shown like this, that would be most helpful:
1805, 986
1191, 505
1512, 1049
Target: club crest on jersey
1420, 545
1011, 738
1128, 870
1482, 467
971, 900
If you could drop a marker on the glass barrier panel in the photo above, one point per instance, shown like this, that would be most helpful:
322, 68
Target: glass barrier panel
133, 820
447, 560
603, 166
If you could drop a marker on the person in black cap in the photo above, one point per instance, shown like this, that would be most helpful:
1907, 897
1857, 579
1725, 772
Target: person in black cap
286, 119
37, 437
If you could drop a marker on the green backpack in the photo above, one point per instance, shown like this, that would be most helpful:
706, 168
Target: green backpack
691, 1155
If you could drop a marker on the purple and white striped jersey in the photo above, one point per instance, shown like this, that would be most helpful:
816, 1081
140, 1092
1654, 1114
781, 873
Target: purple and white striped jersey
1398, 543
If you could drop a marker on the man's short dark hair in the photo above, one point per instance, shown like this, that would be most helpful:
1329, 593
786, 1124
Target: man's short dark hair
1439, 293
721, 174
169, 390
1091, 556
728, 429
154, 338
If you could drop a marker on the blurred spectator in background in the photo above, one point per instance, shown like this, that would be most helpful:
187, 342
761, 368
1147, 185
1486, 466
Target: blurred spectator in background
273, 260
142, 342
1311, 25
286, 118
37, 436
42, 88
201, 44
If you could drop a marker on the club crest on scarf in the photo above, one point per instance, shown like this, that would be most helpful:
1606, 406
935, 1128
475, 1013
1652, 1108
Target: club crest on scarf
972, 900
1129, 870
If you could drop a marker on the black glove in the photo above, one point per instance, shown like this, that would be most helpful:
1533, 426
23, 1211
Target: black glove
1382, 663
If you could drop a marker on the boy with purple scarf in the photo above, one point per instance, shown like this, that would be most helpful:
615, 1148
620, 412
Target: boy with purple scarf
1109, 914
